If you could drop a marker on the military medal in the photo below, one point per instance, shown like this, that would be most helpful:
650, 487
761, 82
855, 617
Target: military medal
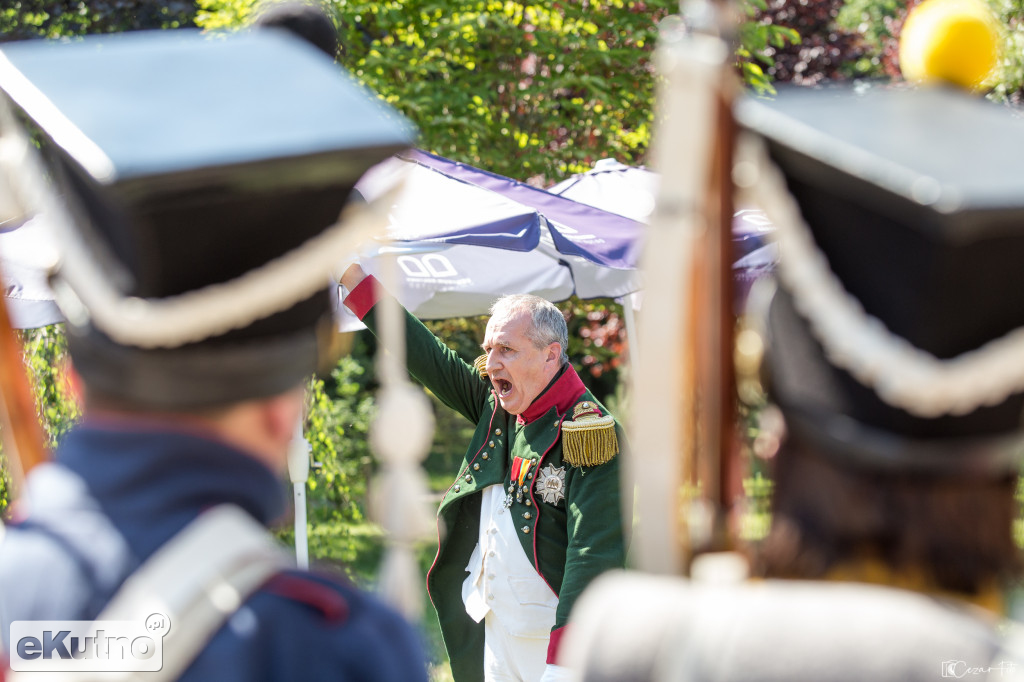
551, 484
523, 471
517, 463
519, 474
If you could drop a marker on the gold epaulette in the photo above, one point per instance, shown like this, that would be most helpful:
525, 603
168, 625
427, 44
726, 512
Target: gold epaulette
589, 439
481, 365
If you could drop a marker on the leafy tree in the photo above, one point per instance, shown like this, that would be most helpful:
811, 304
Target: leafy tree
881, 22
532, 91
1009, 85
821, 50
22, 19
759, 39
339, 411
337, 425
528, 90
45, 356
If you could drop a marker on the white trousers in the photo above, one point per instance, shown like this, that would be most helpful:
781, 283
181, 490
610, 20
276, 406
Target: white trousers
508, 658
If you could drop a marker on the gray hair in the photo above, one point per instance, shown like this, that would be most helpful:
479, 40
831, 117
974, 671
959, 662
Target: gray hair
548, 324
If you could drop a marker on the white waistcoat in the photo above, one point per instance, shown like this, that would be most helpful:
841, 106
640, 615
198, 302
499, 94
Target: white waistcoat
502, 579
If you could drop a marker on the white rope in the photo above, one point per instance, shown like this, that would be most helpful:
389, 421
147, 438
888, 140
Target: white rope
900, 374
217, 308
194, 315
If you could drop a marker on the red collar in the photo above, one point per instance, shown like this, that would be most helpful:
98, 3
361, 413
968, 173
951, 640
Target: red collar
561, 395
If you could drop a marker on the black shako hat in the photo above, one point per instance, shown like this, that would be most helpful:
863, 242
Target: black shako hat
895, 339
201, 181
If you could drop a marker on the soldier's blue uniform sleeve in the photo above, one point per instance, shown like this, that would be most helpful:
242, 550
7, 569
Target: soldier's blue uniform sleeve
303, 626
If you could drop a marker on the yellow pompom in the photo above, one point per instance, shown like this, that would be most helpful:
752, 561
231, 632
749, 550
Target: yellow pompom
952, 41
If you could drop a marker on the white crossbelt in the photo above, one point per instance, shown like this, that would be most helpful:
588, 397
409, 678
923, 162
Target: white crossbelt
197, 580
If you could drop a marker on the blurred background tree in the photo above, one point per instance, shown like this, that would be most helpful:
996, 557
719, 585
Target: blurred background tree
21, 19
531, 91
880, 22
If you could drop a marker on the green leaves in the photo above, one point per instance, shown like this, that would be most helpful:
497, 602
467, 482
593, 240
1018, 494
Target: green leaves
45, 358
23, 19
880, 22
338, 417
529, 90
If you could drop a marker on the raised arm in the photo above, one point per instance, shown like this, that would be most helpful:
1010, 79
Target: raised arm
430, 362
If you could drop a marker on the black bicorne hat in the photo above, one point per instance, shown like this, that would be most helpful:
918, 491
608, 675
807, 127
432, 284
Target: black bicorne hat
896, 336
201, 178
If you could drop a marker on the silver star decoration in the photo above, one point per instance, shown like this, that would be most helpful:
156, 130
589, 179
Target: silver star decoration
551, 484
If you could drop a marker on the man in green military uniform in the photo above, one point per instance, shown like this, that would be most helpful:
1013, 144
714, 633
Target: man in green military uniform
534, 514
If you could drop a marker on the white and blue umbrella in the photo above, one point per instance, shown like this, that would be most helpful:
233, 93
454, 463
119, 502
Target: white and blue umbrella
630, 191
26, 254
459, 237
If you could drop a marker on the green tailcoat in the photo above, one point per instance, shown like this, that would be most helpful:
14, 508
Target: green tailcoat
569, 542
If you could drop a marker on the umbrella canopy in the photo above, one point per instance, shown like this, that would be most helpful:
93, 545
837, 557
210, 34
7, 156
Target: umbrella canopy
613, 186
631, 191
463, 236
26, 256
459, 237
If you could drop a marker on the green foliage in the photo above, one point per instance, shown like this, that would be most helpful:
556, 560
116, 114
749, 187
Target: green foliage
881, 21
756, 518
462, 334
533, 91
5, 484
45, 356
878, 23
22, 19
814, 47
757, 43
217, 15
597, 343
1009, 86
337, 424
528, 90
339, 410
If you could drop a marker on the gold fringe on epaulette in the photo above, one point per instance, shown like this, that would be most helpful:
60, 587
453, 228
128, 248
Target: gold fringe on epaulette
481, 365
589, 440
